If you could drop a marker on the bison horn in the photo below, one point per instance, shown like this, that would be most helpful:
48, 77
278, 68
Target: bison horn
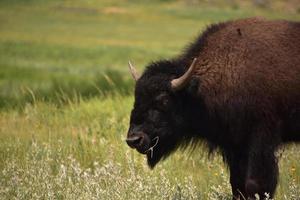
179, 83
133, 71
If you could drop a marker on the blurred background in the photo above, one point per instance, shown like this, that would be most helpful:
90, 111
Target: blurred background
66, 49
66, 96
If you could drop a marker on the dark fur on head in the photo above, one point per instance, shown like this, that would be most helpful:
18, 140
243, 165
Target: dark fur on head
161, 112
180, 122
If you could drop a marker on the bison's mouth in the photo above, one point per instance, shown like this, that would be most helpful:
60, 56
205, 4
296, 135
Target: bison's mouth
142, 146
139, 141
142, 143
147, 147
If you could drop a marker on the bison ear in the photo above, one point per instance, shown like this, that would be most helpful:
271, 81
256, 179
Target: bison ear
182, 81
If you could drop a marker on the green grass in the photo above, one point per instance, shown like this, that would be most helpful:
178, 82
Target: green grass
66, 95
66, 152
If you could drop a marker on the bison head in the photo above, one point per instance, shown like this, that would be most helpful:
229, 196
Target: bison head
156, 121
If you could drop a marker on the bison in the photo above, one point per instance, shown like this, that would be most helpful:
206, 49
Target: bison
236, 88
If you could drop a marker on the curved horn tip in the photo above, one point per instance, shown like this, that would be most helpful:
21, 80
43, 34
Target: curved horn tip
194, 60
133, 71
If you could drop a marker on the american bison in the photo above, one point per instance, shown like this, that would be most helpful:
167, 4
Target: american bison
237, 88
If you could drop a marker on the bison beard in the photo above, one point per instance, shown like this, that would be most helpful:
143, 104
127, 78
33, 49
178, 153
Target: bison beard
236, 89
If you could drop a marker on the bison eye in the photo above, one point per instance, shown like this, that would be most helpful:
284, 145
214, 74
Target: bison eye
163, 99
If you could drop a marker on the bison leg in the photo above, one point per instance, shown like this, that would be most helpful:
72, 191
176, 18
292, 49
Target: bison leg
238, 168
264, 181
262, 171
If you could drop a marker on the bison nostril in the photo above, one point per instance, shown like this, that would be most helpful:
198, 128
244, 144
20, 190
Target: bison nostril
134, 140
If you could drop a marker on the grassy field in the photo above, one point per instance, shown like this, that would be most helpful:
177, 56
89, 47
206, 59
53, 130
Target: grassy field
66, 95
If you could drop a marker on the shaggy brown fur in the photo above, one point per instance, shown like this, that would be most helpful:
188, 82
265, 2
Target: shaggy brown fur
258, 68
243, 99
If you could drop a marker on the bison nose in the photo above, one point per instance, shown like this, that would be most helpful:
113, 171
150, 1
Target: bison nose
135, 140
